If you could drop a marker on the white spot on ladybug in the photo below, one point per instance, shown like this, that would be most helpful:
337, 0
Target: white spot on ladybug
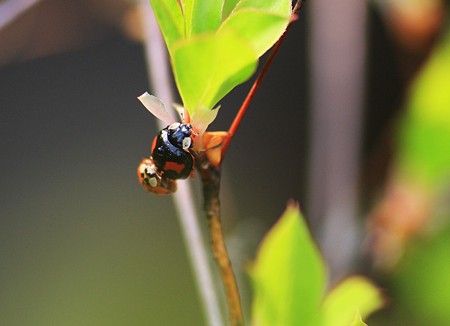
150, 169
187, 141
174, 126
153, 182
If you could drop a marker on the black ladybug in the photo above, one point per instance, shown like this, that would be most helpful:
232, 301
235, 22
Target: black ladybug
170, 151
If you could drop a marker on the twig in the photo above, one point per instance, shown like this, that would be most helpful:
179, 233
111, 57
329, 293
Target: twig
158, 72
210, 176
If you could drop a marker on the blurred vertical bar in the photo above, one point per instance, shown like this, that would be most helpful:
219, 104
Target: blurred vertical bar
10, 10
159, 77
337, 59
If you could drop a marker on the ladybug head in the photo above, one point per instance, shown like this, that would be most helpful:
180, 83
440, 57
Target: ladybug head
180, 135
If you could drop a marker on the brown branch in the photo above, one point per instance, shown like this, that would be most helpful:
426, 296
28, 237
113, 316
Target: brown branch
210, 176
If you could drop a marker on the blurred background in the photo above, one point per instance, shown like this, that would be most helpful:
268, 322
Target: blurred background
353, 121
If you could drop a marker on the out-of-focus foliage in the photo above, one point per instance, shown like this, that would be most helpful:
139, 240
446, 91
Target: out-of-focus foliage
289, 279
419, 215
215, 45
289, 275
354, 296
421, 283
358, 321
417, 193
424, 149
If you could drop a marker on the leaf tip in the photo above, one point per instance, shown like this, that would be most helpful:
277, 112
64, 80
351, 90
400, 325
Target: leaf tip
294, 205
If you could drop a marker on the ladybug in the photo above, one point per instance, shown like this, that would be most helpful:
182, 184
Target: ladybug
152, 180
171, 157
170, 151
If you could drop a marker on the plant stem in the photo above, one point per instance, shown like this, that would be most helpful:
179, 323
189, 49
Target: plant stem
210, 176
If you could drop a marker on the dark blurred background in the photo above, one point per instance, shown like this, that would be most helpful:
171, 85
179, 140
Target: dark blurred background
81, 242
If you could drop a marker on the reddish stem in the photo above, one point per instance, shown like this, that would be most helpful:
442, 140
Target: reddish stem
243, 109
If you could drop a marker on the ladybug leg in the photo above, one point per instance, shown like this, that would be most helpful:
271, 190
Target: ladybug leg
194, 153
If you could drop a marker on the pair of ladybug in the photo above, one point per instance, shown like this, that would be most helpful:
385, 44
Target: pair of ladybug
171, 155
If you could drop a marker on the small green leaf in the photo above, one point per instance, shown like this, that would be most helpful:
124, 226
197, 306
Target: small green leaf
289, 275
354, 295
206, 68
202, 16
170, 20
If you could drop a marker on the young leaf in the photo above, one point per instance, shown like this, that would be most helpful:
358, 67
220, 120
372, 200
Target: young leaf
156, 107
210, 56
261, 22
289, 275
261, 28
228, 7
280, 7
207, 67
354, 295
202, 16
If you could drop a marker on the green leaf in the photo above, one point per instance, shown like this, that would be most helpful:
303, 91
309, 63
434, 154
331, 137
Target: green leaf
228, 7
206, 68
280, 7
170, 20
354, 295
261, 22
202, 16
288, 275
261, 28
210, 57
